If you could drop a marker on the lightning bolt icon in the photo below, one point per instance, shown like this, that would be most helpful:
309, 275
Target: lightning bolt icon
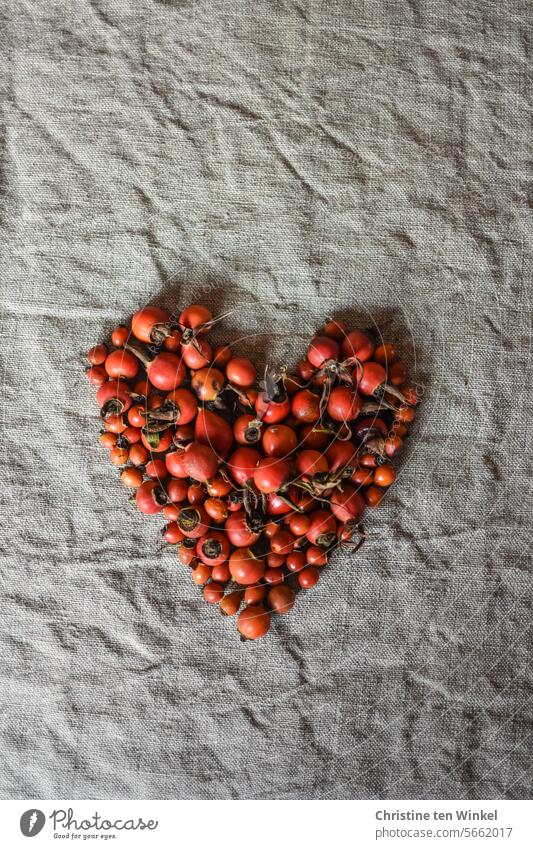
33, 820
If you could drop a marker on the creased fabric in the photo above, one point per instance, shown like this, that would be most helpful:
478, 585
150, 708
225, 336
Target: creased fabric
284, 161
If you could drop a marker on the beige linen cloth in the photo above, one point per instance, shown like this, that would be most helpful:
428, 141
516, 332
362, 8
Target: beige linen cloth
286, 161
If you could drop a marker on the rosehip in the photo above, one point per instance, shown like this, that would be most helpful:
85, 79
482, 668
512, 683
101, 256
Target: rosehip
241, 372
273, 576
156, 469
370, 425
253, 622
96, 375
305, 370
194, 317
185, 403
197, 355
336, 329
218, 487
242, 463
384, 475
115, 424
374, 495
321, 350
193, 521
279, 440
230, 604
138, 455
120, 336
175, 463
131, 477
306, 406
150, 324
254, 595
316, 556
213, 592
370, 377
150, 498
166, 371
275, 561
341, 455
385, 354
245, 431
113, 397
211, 429
358, 344
323, 528
299, 524
196, 494
216, 509
221, 573
208, 383
272, 412
177, 490
121, 363
308, 577
221, 356
309, 462
108, 440
348, 504
315, 437
172, 533
201, 574
213, 548
157, 442
238, 532
295, 561
282, 543
245, 567
97, 355
344, 404
397, 373
173, 341
200, 461
270, 474
137, 415
280, 599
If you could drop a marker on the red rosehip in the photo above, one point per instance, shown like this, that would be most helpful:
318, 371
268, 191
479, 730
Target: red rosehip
121, 363
238, 531
150, 498
245, 567
150, 324
242, 463
280, 599
213, 548
200, 462
308, 577
212, 430
253, 622
306, 406
344, 404
358, 344
241, 371
348, 504
321, 350
309, 462
270, 474
323, 528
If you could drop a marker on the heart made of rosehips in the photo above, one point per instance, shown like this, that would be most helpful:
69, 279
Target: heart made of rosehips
258, 485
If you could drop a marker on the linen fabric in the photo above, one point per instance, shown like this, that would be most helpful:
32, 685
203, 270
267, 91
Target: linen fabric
280, 161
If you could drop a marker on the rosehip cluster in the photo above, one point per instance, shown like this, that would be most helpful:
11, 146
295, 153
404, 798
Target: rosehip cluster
257, 486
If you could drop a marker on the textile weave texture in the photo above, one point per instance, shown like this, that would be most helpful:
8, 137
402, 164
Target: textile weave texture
284, 161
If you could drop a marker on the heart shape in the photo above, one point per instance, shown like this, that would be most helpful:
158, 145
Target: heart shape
258, 483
